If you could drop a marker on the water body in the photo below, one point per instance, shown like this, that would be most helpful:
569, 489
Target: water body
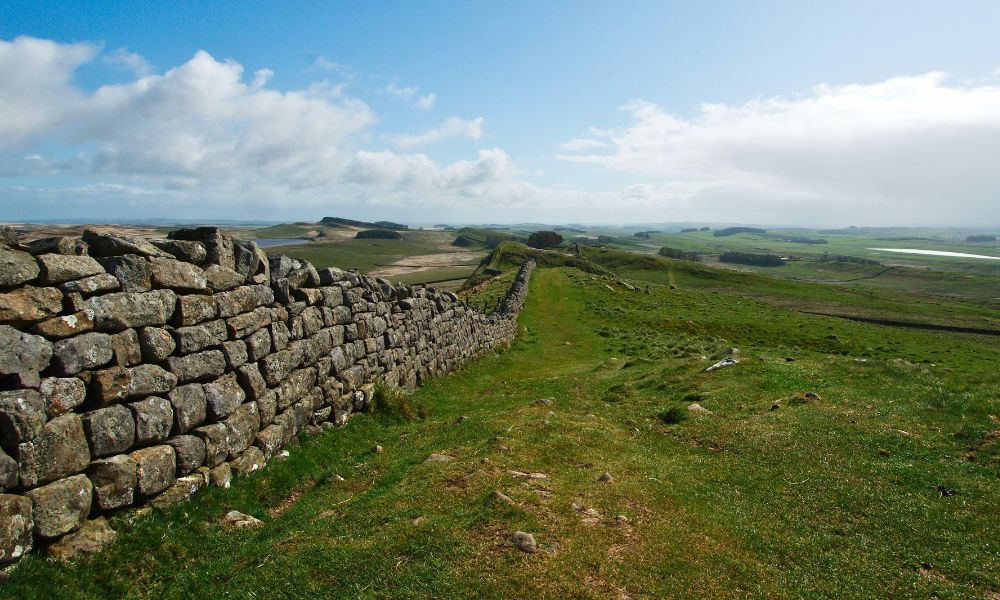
935, 253
279, 242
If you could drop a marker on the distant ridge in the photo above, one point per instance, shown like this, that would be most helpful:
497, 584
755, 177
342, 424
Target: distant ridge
335, 221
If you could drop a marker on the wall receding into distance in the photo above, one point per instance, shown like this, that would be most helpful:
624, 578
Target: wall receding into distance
138, 371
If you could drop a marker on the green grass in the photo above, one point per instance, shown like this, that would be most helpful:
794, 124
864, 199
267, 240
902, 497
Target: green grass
836, 497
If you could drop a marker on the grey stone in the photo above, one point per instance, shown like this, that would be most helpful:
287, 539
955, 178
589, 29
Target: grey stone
105, 282
83, 352
156, 470
8, 236
109, 430
200, 366
62, 394
22, 417
8, 472
251, 381
133, 272
122, 310
251, 460
294, 387
114, 480
216, 438
223, 396
22, 352
60, 268
238, 520
220, 476
190, 452
180, 492
113, 244
177, 275
279, 336
221, 279
267, 407
192, 310
90, 538
243, 424
258, 345
60, 507
125, 346
198, 337
245, 258
247, 323
271, 439
235, 353
67, 325
281, 266
59, 450
154, 418
189, 406
218, 243
242, 299
525, 542
30, 304
16, 267
275, 367
59, 244
192, 252
16, 524
156, 344
118, 384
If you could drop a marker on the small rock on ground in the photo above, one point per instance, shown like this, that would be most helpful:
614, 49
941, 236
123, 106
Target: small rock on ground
525, 542
697, 408
238, 520
606, 477
91, 538
439, 458
498, 496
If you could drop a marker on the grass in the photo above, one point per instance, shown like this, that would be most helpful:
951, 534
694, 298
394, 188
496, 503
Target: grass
837, 497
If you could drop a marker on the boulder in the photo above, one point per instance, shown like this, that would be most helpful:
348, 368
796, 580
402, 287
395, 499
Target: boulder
132, 271
156, 344
177, 275
59, 450
22, 352
67, 325
198, 337
525, 542
195, 309
218, 243
238, 520
96, 284
22, 417
122, 310
16, 267
8, 236
59, 244
114, 480
83, 352
201, 366
90, 538
221, 279
60, 507
156, 470
114, 244
30, 304
16, 524
154, 418
62, 394
251, 460
188, 251
223, 396
109, 430
118, 384
189, 451
189, 406
60, 268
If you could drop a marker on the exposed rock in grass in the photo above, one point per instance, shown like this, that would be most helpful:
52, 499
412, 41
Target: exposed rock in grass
91, 538
725, 362
698, 409
543, 402
497, 496
525, 542
523, 475
238, 520
439, 458
605, 477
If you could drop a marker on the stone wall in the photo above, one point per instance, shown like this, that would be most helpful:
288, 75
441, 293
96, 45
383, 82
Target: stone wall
139, 371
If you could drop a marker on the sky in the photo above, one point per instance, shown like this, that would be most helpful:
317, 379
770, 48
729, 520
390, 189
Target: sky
788, 113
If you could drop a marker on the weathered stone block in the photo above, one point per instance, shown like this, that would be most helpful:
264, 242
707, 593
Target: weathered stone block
218, 243
83, 352
235, 353
125, 346
59, 244
177, 275
247, 323
60, 507
104, 282
198, 337
109, 430
30, 304
156, 344
122, 310
242, 299
190, 452
132, 271
22, 352
220, 476
156, 470
154, 417
114, 244
67, 325
180, 492
270, 440
295, 387
279, 336
221, 279
60, 268
251, 380
252, 459
16, 267
267, 407
22, 417
114, 480
275, 367
192, 252
59, 450
243, 425
192, 310
189, 406
118, 384
223, 396
216, 438
62, 394
200, 366
16, 524
8, 472
258, 345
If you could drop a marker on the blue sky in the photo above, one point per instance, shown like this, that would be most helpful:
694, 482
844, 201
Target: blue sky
773, 112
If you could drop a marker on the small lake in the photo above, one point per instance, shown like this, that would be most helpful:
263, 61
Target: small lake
935, 253
279, 242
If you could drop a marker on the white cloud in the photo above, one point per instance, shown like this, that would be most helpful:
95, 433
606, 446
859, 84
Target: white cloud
406, 93
581, 144
426, 102
135, 63
323, 64
908, 149
403, 93
452, 127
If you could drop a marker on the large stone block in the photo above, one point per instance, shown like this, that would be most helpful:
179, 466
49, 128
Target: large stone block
61, 506
156, 470
235, 353
16, 267
242, 299
251, 460
132, 271
60, 449
295, 387
22, 417
96, 284
125, 346
30, 304
223, 396
22, 352
122, 310
8, 472
177, 275
276, 367
113, 244
189, 406
247, 323
216, 438
83, 352
188, 251
60, 268
59, 244
201, 366
109, 430
154, 417
189, 451
221, 279
67, 325
62, 394
251, 381
198, 337
279, 336
114, 480
156, 344
118, 384
267, 407
258, 345
16, 524
218, 243
243, 425
192, 310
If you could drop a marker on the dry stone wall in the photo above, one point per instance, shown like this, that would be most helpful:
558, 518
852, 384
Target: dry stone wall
139, 371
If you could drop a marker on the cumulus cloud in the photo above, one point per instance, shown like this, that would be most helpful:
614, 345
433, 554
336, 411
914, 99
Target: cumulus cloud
452, 127
407, 93
908, 149
426, 102
131, 61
